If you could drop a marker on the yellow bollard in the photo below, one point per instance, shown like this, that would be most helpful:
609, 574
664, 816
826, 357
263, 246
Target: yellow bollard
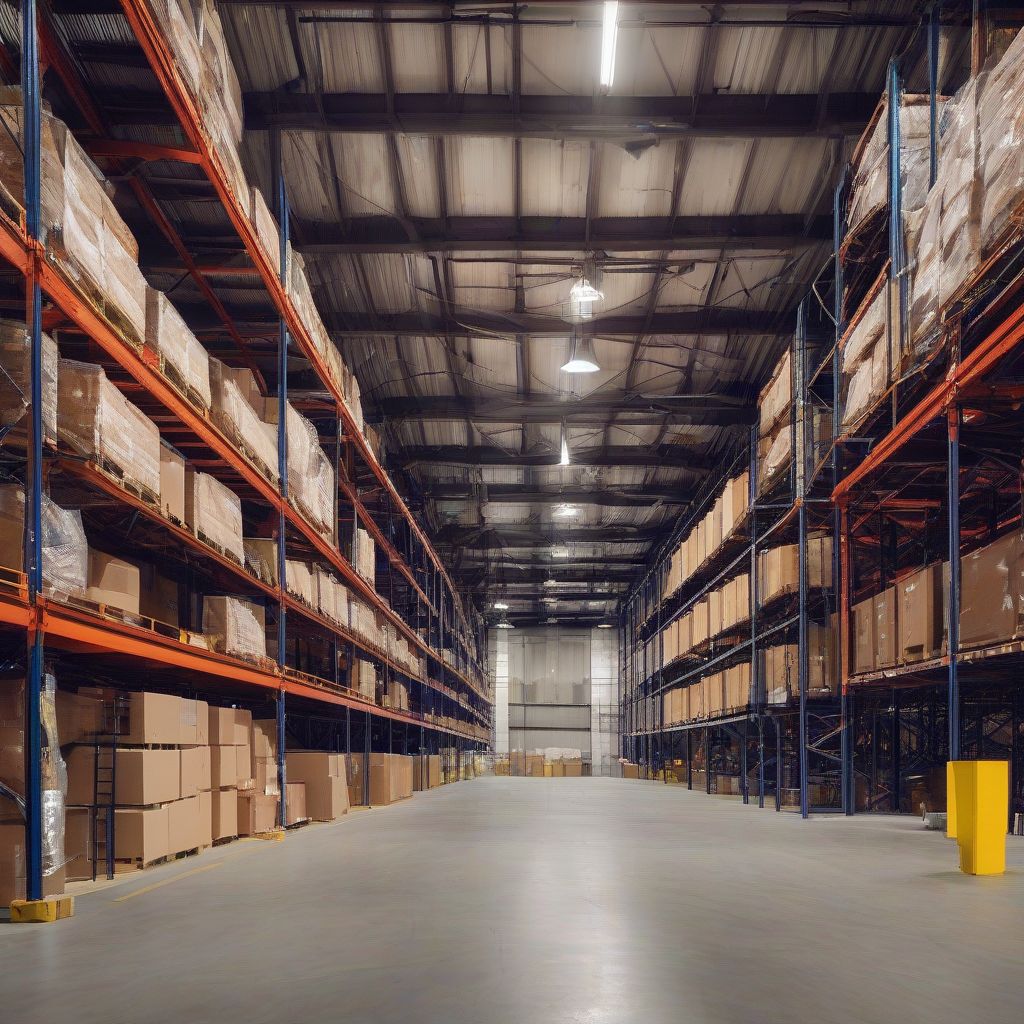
950, 801
982, 794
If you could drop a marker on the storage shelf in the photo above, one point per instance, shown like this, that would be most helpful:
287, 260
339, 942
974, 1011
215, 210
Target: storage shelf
162, 64
77, 630
23, 255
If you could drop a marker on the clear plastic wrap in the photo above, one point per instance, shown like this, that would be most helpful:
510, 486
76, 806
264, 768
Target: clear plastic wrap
915, 141
232, 394
302, 299
776, 396
15, 377
221, 91
958, 179
54, 780
311, 483
178, 27
326, 594
233, 625
866, 386
870, 187
261, 558
213, 512
267, 231
1001, 143
168, 334
299, 581
97, 421
776, 456
861, 340
366, 556
925, 261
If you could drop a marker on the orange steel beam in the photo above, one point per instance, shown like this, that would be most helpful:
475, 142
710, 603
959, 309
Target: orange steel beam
147, 151
1007, 336
161, 61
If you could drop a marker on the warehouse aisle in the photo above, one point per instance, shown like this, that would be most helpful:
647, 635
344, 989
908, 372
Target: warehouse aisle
534, 901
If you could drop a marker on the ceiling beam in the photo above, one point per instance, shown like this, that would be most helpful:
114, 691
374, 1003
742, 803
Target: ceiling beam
636, 410
668, 456
525, 494
567, 234
552, 116
523, 535
760, 322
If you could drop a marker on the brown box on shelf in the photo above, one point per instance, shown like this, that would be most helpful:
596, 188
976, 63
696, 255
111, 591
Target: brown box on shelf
295, 802
172, 482
263, 737
702, 543
213, 512
715, 527
992, 593
142, 833
235, 626
184, 826
159, 597
776, 398
715, 601
228, 726
426, 772
244, 767
13, 860
223, 766
920, 614
257, 813
886, 627
113, 581
390, 778
195, 770
143, 776
79, 716
224, 813
155, 718
822, 663
864, 636
205, 818
324, 777
700, 623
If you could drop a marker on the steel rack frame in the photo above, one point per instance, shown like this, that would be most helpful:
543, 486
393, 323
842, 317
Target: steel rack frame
451, 700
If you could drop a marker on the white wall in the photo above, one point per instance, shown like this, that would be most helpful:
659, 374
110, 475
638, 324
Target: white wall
556, 687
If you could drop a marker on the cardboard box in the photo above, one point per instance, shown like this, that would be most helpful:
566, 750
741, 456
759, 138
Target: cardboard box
390, 778
426, 772
159, 597
158, 718
172, 482
223, 767
265, 778
195, 770
113, 581
236, 626
228, 726
79, 717
886, 628
213, 512
244, 777
142, 776
77, 844
992, 593
295, 802
205, 819
224, 813
184, 827
572, 768
142, 833
257, 813
13, 858
864, 635
920, 615
263, 738
535, 765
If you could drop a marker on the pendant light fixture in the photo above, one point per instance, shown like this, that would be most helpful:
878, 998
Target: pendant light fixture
582, 358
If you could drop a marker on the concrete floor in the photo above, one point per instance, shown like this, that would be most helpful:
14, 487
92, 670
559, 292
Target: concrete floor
543, 901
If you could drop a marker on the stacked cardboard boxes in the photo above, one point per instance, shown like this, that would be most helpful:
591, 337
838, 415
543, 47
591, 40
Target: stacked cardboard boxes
867, 360
162, 775
779, 568
775, 428
213, 513
180, 353
426, 772
366, 557
717, 526
237, 405
233, 625
15, 381
95, 420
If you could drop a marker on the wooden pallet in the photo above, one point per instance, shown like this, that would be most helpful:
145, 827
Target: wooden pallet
219, 548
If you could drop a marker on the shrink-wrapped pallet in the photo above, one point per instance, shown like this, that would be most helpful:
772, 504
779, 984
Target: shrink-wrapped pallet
65, 550
168, 335
869, 188
233, 393
776, 398
774, 456
177, 23
866, 385
1001, 144
213, 513
97, 421
267, 231
311, 482
299, 581
366, 556
235, 626
15, 378
261, 558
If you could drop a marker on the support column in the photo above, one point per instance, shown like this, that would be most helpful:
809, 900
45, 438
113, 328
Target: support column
34, 490
953, 602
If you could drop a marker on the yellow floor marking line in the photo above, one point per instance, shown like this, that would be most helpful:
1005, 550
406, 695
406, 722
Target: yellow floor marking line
167, 881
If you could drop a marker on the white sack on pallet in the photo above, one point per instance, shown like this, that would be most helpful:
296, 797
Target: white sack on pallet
97, 421
861, 341
15, 378
169, 335
866, 385
65, 550
233, 625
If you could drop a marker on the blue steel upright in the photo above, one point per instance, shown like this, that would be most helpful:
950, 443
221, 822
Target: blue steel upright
33, 511
282, 463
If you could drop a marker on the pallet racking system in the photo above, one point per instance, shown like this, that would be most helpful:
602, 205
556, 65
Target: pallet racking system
929, 474
449, 702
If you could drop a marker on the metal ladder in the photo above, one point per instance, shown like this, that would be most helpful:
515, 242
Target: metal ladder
104, 786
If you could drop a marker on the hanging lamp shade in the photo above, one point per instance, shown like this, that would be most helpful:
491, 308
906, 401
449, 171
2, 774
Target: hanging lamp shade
582, 359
